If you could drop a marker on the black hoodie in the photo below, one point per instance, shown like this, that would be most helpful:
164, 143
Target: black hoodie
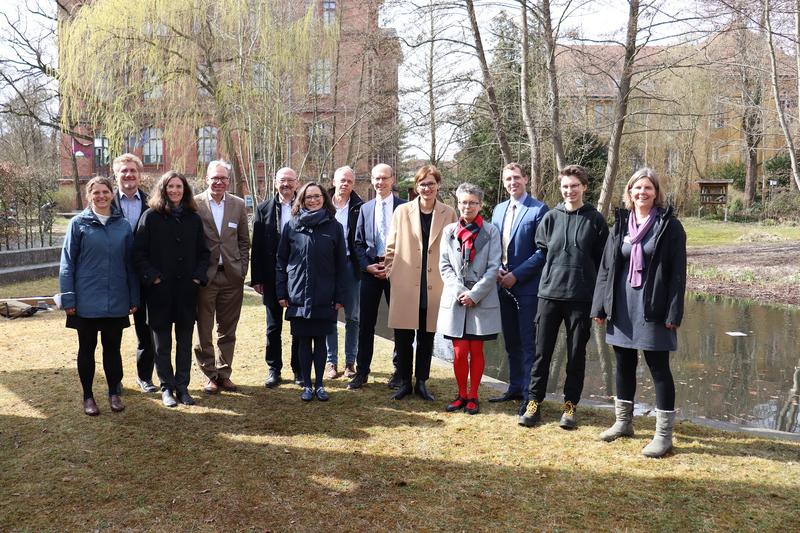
573, 243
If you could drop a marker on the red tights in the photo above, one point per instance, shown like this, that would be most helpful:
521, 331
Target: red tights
465, 366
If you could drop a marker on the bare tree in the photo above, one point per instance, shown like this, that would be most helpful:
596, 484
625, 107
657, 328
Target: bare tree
488, 84
775, 82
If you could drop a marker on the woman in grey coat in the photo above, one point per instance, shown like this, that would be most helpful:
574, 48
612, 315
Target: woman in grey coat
469, 310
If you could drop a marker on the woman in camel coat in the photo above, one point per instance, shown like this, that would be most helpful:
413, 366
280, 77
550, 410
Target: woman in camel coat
412, 266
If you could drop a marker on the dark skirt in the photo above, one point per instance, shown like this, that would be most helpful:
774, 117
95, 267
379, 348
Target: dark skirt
471, 337
79, 322
312, 327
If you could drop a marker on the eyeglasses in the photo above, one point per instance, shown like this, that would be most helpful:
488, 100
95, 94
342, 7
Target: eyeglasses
469, 204
219, 178
313, 197
427, 185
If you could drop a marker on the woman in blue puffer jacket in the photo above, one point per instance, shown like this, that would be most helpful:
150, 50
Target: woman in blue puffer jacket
311, 262
99, 288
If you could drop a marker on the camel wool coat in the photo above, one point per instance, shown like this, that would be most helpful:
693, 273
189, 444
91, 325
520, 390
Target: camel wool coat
404, 264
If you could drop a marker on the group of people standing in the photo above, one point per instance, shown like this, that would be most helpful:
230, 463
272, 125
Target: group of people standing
317, 250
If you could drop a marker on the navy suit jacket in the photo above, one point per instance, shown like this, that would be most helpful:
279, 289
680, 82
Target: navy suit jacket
365, 232
525, 260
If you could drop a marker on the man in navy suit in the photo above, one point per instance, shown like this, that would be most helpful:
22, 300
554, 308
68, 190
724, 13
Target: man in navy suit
132, 201
270, 217
518, 279
372, 229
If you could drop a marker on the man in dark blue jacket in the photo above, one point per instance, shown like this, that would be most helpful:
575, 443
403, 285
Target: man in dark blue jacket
131, 200
518, 280
270, 217
370, 245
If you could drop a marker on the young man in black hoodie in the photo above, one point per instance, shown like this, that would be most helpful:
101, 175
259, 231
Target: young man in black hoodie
572, 237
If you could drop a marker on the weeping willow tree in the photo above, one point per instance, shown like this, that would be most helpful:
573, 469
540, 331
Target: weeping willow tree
241, 66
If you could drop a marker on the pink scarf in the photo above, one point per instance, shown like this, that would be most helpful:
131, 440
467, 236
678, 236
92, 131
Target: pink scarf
637, 233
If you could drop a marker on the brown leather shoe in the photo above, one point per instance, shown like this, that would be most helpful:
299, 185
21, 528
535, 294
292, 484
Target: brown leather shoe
211, 386
227, 385
330, 371
350, 371
90, 407
116, 403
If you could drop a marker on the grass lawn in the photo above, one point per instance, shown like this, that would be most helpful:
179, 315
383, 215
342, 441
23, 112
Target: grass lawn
704, 232
262, 460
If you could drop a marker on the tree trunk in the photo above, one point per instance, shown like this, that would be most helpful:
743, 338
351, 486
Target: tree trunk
430, 75
553, 98
525, 102
494, 109
76, 180
620, 111
787, 134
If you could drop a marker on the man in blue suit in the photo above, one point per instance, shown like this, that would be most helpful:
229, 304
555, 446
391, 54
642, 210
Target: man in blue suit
372, 229
518, 278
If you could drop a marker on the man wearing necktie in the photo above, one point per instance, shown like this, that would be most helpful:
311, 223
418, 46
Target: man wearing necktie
372, 229
518, 279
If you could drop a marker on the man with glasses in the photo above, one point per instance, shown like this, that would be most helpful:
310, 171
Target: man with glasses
132, 201
372, 230
224, 219
518, 279
270, 217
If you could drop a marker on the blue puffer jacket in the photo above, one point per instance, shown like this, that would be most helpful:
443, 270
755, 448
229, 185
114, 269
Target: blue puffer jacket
96, 275
311, 262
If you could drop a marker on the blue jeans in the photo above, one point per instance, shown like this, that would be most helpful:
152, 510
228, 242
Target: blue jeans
352, 287
519, 334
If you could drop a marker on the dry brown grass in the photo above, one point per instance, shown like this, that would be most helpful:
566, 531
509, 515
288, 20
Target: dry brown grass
262, 460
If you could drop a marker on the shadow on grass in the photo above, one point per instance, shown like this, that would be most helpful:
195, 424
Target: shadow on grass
264, 459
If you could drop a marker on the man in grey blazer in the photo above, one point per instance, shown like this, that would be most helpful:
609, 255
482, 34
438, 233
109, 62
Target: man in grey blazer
225, 227
132, 201
372, 229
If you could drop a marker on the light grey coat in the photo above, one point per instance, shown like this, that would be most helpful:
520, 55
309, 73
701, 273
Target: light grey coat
484, 318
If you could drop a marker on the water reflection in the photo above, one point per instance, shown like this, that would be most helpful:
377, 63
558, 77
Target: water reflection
751, 380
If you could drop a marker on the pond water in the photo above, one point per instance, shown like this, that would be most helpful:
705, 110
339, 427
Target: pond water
750, 379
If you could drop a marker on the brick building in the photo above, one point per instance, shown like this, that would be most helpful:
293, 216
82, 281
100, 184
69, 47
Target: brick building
347, 116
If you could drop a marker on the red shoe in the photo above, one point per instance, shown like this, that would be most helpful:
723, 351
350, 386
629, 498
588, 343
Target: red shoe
456, 405
473, 407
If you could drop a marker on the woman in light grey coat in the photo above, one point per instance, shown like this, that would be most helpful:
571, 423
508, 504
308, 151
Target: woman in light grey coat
469, 310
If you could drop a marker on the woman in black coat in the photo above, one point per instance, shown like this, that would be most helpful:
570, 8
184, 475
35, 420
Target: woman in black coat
639, 292
311, 262
171, 257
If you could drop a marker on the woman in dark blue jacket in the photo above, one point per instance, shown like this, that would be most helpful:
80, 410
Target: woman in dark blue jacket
311, 263
171, 257
98, 288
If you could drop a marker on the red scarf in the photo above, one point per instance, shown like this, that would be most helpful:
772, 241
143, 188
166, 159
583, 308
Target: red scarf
466, 234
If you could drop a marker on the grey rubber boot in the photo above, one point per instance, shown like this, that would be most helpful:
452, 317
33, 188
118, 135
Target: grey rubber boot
623, 427
662, 440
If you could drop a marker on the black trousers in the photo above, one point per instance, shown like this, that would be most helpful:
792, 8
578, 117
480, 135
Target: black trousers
111, 337
628, 359
404, 344
575, 317
372, 289
273, 352
308, 355
162, 337
145, 352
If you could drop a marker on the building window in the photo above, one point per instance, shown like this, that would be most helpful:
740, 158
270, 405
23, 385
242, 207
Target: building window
319, 79
328, 11
152, 141
100, 152
320, 139
718, 117
206, 144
